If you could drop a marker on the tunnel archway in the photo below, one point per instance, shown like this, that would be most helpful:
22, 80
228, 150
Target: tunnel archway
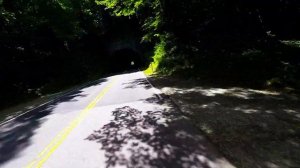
126, 59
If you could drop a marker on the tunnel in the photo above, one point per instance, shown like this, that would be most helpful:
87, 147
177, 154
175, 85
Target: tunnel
126, 59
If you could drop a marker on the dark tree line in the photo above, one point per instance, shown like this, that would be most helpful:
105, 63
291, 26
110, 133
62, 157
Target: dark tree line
245, 40
49, 44
46, 46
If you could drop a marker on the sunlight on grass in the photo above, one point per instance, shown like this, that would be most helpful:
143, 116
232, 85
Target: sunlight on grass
159, 53
151, 69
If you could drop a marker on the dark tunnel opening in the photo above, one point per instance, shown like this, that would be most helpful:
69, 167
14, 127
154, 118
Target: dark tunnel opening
126, 60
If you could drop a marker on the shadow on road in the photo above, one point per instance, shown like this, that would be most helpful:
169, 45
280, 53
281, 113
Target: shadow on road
163, 138
142, 82
16, 135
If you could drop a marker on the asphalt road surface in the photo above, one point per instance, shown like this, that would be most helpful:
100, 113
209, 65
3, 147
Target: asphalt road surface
119, 121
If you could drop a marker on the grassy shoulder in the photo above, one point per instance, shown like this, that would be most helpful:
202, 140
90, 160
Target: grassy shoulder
251, 127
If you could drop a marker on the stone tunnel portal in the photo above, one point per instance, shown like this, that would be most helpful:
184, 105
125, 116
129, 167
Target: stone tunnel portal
126, 59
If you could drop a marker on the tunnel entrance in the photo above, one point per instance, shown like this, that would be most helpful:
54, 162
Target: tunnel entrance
126, 60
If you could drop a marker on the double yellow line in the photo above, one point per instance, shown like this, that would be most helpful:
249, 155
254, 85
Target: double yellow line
61, 137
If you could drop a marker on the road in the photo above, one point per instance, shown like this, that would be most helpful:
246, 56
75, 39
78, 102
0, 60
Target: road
119, 121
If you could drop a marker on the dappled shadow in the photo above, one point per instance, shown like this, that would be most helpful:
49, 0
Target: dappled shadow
156, 99
16, 135
163, 138
141, 82
253, 128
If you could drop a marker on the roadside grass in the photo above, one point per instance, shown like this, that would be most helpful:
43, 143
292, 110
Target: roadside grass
159, 53
151, 69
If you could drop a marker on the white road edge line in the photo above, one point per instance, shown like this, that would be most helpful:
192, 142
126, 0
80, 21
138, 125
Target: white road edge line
156, 91
51, 101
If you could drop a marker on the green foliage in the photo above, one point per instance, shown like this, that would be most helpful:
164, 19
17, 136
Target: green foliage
159, 54
236, 39
149, 11
65, 4
122, 7
43, 43
64, 17
292, 43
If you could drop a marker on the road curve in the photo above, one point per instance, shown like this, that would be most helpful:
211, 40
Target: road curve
119, 121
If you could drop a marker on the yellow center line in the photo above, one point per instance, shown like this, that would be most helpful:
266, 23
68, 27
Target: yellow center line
45, 154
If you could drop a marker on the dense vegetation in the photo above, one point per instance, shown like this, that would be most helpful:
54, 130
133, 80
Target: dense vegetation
47, 45
228, 40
